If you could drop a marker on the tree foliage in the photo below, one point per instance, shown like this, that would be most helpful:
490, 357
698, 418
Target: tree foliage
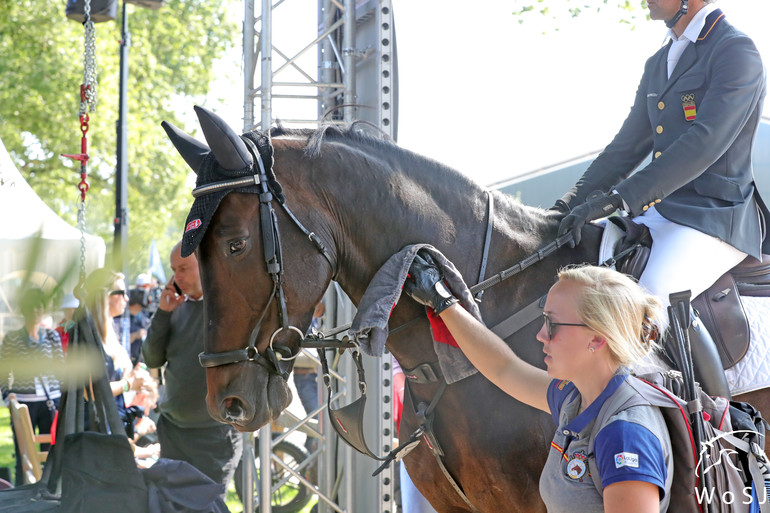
628, 11
170, 67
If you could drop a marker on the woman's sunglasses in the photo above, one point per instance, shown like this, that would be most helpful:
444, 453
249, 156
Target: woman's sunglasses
549, 324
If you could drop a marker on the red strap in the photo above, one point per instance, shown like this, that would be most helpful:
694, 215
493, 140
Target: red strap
53, 427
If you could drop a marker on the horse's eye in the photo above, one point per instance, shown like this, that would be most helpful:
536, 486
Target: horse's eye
237, 246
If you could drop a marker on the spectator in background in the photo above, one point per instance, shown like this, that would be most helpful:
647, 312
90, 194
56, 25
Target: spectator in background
143, 281
68, 305
139, 321
186, 431
305, 375
27, 347
106, 299
152, 292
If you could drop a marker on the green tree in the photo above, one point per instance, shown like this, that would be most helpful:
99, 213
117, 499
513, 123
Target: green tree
628, 11
171, 60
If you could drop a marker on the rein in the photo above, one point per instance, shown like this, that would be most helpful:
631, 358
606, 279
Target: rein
476, 291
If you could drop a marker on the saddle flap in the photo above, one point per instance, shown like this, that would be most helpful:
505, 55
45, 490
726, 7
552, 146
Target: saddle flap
721, 311
752, 276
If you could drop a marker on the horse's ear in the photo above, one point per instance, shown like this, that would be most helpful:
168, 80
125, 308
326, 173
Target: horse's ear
228, 147
191, 149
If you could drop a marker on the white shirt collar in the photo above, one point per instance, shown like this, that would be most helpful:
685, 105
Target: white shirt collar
695, 26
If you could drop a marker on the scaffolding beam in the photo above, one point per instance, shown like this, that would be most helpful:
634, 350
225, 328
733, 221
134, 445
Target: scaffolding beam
351, 76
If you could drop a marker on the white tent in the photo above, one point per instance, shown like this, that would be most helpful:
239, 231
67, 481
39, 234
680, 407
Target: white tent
24, 217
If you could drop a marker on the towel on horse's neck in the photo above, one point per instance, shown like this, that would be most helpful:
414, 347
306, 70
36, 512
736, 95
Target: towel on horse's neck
370, 325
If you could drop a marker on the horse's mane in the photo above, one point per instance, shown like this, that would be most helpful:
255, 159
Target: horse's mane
356, 133
362, 134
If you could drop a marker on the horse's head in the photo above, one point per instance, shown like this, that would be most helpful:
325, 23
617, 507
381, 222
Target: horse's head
256, 308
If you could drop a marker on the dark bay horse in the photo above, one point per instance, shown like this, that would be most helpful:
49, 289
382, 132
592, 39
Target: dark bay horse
365, 199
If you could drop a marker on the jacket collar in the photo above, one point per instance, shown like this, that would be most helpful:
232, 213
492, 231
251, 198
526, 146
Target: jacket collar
712, 20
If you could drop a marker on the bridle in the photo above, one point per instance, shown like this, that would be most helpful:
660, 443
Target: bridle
273, 356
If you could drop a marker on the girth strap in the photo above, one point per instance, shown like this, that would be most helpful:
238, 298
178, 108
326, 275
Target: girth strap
425, 417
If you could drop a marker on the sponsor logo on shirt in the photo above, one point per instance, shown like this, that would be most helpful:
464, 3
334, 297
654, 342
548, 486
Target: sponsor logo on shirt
626, 459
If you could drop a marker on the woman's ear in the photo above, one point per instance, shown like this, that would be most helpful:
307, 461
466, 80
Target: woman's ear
596, 343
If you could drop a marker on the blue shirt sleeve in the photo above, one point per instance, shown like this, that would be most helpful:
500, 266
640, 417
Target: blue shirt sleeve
627, 451
558, 392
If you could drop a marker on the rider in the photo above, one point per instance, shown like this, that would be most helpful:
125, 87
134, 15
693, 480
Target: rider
697, 110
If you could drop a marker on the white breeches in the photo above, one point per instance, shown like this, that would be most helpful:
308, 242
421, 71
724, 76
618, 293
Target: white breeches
683, 258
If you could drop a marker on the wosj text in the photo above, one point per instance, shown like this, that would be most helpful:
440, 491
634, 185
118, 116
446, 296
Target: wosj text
713, 496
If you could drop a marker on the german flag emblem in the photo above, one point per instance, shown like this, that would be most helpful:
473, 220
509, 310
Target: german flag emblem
688, 104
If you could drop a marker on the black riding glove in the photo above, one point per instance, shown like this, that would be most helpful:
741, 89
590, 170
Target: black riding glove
425, 284
595, 208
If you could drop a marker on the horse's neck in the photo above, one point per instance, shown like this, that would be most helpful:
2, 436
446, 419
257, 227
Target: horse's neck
405, 199
454, 220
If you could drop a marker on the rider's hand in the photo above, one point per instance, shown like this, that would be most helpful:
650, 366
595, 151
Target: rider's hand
597, 207
426, 285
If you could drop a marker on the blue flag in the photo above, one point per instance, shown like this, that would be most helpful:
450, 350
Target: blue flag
156, 266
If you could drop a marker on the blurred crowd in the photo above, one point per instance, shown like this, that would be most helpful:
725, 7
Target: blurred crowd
121, 317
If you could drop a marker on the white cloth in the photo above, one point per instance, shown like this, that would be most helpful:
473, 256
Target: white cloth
752, 372
683, 258
690, 35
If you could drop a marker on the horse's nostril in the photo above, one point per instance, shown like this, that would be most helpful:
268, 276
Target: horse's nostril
234, 408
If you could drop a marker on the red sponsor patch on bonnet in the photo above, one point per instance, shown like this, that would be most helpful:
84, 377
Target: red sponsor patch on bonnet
192, 225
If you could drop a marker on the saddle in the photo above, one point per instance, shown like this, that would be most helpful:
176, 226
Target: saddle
719, 307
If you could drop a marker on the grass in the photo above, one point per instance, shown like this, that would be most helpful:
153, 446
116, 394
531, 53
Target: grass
6, 441
235, 505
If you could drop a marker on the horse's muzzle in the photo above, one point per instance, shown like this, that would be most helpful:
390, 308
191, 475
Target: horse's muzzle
248, 398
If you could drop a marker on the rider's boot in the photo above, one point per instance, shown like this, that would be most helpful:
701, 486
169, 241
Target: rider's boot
709, 371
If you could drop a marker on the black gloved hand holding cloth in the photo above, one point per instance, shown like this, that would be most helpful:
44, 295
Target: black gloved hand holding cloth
425, 284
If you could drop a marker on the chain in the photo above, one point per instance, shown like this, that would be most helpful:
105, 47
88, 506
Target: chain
88, 100
82, 226
87, 104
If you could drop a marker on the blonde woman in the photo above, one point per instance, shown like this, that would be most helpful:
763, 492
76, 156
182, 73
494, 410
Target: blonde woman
107, 298
597, 323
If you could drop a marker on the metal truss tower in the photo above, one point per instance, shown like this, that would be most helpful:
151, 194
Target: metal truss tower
355, 69
343, 69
